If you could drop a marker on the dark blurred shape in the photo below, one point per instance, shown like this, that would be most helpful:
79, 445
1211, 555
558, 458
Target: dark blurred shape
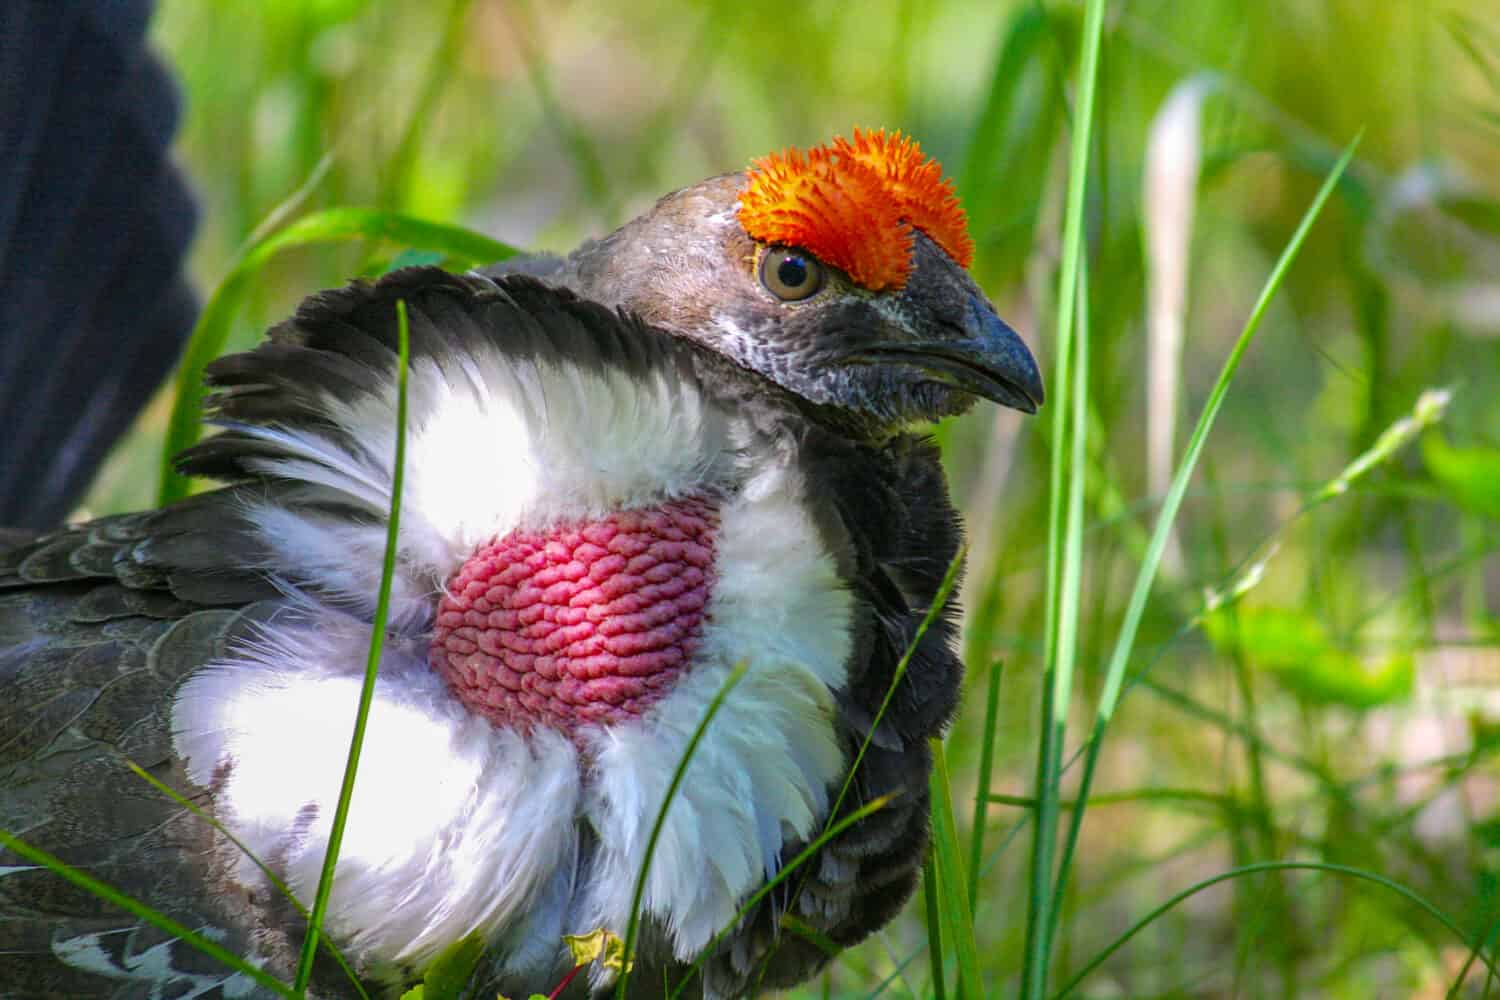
94, 223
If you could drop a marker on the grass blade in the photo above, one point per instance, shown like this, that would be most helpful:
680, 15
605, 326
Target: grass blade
157, 919
1007, 168
372, 663
265, 869
982, 787
211, 332
1063, 549
1476, 951
947, 861
735, 676
1135, 609
930, 894
1267, 866
803, 856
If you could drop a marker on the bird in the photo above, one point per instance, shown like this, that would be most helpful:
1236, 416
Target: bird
689, 461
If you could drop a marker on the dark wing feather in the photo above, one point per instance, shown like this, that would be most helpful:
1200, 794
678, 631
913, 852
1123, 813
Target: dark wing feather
88, 664
99, 625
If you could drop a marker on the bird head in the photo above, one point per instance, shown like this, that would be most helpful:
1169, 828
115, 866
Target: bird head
839, 273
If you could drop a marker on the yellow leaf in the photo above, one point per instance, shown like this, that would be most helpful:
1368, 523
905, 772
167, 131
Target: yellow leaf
614, 953
585, 947
601, 946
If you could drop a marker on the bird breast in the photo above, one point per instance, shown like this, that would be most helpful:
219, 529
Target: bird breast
586, 623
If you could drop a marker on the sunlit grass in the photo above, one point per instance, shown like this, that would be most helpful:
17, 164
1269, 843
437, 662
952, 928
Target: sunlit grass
324, 890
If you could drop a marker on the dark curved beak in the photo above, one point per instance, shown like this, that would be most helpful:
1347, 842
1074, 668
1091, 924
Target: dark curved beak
988, 359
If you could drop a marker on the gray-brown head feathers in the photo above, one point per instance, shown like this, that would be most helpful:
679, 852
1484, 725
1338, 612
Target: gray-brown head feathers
886, 358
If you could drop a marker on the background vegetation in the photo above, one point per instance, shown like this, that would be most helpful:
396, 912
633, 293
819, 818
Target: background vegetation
1341, 707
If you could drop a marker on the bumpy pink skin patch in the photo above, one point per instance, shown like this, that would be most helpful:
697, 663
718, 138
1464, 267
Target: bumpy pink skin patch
586, 623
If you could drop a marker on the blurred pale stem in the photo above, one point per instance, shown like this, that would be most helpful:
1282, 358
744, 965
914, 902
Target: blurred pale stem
1173, 153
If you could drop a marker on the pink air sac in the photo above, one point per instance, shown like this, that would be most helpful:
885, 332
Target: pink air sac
584, 623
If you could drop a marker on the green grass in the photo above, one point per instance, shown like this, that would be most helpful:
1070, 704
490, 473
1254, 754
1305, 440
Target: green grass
147, 914
638, 893
1069, 463
1264, 819
265, 869
372, 664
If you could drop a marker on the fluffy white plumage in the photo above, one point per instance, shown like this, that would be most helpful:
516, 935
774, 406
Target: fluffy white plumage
494, 443
459, 826
760, 773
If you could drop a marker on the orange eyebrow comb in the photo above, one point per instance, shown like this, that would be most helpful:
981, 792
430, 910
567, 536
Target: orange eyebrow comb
854, 205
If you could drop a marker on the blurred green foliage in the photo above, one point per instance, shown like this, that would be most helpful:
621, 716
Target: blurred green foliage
1470, 477
1343, 710
1295, 648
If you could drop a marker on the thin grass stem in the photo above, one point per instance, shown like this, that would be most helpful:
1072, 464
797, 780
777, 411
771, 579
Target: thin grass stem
633, 925
1474, 953
1064, 536
265, 869
372, 663
936, 964
953, 901
1265, 866
986, 774
110, 894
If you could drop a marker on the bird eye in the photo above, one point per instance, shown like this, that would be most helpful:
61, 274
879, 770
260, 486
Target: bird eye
791, 275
